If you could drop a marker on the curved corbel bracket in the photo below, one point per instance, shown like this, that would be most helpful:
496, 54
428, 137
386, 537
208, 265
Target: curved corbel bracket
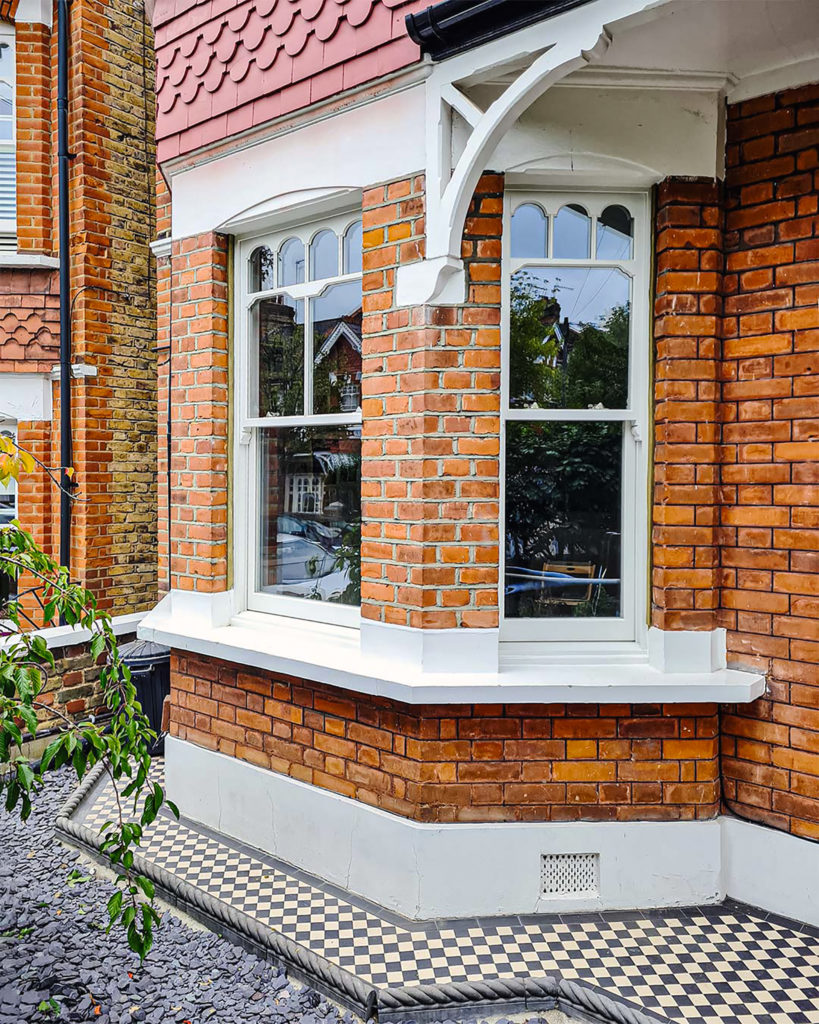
578, 41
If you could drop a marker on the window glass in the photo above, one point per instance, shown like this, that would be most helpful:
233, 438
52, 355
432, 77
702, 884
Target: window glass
563, 520
8, 490
310, 513
291, 262
279, 333
569, 338
262, 267
301, 358
529, 231
336, 322
572, 229
615, 233
572, 428
353, 248
324, 256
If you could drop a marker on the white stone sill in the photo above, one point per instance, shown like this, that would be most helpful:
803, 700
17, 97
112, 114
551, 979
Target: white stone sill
332, 654
69, 636
28, 261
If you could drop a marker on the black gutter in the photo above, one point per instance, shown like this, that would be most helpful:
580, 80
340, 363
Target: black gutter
63, 158
454, 26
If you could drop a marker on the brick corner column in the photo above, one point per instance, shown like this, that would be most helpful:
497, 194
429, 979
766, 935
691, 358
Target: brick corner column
431, 438
687, 396
199, 399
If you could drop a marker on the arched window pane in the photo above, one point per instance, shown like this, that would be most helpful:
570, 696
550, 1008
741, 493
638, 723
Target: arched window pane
615, 233
572, 233
353, 248
336, 318
262, 263
323, 256
529, 232
291, 262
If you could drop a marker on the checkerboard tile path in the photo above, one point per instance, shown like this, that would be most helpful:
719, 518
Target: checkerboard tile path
729, 963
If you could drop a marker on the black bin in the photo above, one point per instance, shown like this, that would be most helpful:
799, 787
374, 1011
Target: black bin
150, 666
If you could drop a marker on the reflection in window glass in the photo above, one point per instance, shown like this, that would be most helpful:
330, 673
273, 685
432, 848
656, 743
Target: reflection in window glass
336, 320
529, 232
291, 262
310, 513
563, 520
323, 256
572, 227
279, 328
569, 338
353, 248
262, 265
615, 231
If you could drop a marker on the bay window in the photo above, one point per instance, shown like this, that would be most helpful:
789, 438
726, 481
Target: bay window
299, 362
575, 398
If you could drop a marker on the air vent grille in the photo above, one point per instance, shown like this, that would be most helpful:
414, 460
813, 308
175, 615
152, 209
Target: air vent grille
569, 874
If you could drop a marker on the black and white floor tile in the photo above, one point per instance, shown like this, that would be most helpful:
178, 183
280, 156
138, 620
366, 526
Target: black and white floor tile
728, 963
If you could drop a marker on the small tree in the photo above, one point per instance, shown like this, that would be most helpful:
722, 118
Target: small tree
121, 743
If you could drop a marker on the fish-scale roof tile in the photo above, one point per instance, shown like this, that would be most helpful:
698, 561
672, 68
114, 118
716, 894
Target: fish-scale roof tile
219, 56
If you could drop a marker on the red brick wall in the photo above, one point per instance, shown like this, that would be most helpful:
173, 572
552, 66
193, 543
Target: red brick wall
199, 393
687, 413
461, 762
430, 389
770, 535
36, 130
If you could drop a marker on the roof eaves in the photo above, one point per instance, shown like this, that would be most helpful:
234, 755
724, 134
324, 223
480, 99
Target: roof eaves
454, 26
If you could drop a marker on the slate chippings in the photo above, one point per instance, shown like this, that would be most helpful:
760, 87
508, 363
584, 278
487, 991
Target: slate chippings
57, 963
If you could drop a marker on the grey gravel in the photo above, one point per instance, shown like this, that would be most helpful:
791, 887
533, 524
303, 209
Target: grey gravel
55, 953
53, 946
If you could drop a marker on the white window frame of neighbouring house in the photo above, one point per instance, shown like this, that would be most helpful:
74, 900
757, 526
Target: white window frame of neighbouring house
8, 138
299, 492
629, 625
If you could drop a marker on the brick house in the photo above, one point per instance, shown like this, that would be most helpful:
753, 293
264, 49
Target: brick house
550, 588
112, 296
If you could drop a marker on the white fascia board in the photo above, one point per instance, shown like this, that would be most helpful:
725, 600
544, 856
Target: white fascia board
424, 871
381, 140
25, 397
345, 657
789, 76
69, 636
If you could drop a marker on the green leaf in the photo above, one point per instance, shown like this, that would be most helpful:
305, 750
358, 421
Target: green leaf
146, 885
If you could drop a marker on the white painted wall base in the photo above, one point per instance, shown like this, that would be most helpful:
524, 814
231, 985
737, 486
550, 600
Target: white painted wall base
423, 871
771, 870
426, 871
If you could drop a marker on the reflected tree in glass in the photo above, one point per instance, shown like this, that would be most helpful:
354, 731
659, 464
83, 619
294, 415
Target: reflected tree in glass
569, 338
563, 519
280, 327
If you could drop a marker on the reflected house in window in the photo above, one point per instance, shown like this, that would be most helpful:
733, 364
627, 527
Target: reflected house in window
338, 362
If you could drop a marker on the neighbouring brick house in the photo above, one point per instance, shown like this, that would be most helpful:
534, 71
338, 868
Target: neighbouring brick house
549, 586
112, 295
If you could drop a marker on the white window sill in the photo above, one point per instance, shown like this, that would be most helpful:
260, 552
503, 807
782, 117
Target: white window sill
28, 261
333, 655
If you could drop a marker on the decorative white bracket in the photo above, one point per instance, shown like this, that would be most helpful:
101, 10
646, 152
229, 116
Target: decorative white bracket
535, 58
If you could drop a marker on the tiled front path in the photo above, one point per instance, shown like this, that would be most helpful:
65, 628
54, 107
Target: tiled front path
710, 964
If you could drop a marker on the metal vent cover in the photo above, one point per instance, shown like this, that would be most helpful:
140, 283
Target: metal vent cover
569, 874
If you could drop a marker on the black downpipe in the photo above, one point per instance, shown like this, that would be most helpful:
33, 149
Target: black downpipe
63, 158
